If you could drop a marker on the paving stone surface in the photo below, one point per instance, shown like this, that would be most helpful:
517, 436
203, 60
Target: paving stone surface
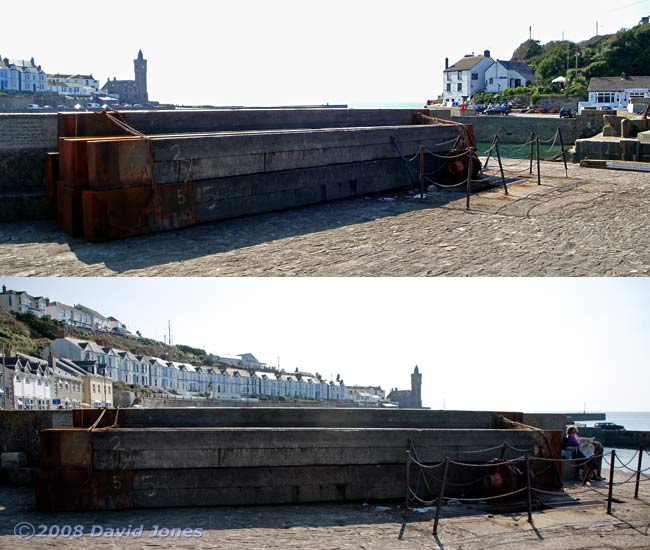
593, 223
373, 526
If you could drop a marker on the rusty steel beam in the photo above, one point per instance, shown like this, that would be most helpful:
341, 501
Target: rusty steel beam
119, 163
119, 213
69, 211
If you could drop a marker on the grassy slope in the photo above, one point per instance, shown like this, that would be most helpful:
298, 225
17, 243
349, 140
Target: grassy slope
30, 335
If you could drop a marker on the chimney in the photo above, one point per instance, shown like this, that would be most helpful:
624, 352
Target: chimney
51, 360
4, 289
47, 302
486, 53
446, 63
60, 333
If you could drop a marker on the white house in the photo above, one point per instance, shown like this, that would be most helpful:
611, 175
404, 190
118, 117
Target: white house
465, 78
615, 92
96, 320
73, 85
16, 300
502, 75
23, 76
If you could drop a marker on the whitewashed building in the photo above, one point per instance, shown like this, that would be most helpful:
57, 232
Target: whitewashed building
20, 75
502, 75
77, 85
465, 78
615, 92
17, 300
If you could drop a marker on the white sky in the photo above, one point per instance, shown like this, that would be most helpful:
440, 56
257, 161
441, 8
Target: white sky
498, 344
260, 52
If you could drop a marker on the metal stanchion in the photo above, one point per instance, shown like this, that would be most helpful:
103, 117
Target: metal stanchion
440, 497
487, 160
470, 168
407, 483
566, 168
611, 482
529, 490
532, 145
421, 173
539, 172
638, 473
503, 176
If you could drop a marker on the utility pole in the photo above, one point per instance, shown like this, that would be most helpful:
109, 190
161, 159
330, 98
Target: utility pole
530, 33
169, 328
596, 27
577, 55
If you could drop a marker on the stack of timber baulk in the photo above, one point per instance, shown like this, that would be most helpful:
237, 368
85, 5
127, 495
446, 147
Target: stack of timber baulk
110, 181
178, 457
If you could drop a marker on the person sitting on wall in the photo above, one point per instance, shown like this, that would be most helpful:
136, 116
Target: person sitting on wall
585, 448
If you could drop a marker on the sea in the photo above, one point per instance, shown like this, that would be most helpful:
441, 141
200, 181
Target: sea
638, 421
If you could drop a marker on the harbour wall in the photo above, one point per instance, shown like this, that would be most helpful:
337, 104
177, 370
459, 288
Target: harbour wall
517, 129
621, 439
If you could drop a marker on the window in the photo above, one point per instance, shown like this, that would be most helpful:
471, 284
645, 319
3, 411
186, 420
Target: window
460, 74
460, 86
605, 97
474, 76
491, 80
449, 87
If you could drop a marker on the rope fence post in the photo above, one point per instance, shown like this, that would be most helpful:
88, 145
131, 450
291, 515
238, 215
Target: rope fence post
503, 176
440, 497
532, 145
539, 172
421, 173
529, 490
566, 168
407, 483
638, 473
611, 482
470, 168
487, 160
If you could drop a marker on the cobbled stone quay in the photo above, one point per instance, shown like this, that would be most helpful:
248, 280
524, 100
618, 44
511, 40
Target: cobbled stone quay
593, 223
369, 526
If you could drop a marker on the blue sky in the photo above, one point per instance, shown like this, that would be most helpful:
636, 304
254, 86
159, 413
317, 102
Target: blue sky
255, 52
518, 344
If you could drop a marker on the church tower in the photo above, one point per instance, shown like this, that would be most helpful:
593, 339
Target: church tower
416, 389
140, 65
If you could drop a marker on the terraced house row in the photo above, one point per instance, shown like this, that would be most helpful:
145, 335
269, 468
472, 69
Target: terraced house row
30, 383
223, 381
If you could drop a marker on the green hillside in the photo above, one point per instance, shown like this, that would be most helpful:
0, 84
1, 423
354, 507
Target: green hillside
626, 52
29, 334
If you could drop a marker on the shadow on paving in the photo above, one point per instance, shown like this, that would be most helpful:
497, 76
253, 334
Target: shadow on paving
218, 237
17, 505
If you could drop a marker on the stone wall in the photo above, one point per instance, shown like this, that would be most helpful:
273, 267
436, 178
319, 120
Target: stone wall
19, 430
24, 140
516, 129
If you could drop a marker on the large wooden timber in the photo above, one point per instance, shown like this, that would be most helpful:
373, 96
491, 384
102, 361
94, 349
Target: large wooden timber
222, 120
129, 173
167, 448
293, 417
110, 469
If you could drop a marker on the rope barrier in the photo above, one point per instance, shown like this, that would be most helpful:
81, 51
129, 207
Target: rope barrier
417, 463
616, 484
503, 463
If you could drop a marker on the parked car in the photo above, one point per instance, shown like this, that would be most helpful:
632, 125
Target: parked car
119, 331
566, 112
479, 108
34, 107
93, 106
498, 110
608, 426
